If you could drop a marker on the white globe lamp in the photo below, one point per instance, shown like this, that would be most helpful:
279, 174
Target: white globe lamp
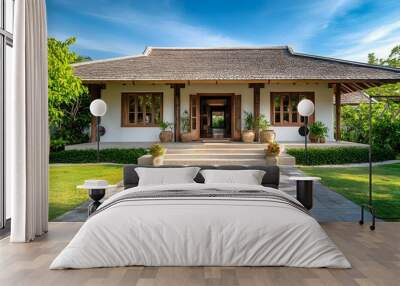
98, 108
306, 109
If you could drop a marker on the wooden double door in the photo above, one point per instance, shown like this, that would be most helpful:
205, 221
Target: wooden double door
206, 107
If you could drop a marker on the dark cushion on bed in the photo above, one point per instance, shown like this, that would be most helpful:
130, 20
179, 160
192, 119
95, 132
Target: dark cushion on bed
270, 179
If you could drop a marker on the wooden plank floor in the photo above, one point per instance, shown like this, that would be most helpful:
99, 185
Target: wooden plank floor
375, 257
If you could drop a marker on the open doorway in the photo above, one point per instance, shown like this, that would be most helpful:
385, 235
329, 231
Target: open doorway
215, 114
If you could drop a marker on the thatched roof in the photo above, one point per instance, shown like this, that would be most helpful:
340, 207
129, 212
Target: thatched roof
219, 64
354, 98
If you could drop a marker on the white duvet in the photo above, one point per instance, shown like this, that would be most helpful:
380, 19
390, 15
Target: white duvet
200, 231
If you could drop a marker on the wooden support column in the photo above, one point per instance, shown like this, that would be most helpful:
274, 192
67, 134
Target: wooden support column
337, 106
177, 109
256, 93
95, 93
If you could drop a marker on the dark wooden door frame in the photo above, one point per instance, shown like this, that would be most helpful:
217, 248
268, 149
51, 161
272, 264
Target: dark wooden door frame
95, 93
177, 109
338, 105
232, 96
194, 99
256, 94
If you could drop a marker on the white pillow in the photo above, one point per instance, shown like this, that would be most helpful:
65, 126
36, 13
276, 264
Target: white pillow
166, 176
248, 177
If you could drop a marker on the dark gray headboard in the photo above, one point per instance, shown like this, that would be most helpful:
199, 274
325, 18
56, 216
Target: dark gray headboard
271, 177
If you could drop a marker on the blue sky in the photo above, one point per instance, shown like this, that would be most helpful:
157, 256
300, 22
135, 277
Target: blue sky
348, 29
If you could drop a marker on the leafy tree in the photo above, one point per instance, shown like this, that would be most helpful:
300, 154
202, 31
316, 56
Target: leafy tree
68, 97
385, 114
385, 124
393, 60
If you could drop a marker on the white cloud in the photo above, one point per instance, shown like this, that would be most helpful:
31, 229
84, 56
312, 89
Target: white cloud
311, 18
97, 44
164, 26
171, 27
379, 40
380, 32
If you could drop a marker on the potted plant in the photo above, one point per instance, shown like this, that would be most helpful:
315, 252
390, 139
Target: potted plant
157, 152
267, 134
272, 152
318, 132
186, 135
166, 131
248, 133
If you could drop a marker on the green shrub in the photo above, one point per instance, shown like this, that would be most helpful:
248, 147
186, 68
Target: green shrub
164, 125
119, 156
262, 123
249, 121
185, 122
156, 150
340, 155
385, 124
57, 145
318, 129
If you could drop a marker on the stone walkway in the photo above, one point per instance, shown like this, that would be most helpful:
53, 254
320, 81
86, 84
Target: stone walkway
329, 206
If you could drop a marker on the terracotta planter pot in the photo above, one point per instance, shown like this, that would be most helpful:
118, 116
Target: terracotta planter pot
158, 161
186, 137
271, 160
248, 136
267, 136
166, 136
313, 138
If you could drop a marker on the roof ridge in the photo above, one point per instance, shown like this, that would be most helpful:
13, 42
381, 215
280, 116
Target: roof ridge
222, 48
149, 49
107, 60
343, 61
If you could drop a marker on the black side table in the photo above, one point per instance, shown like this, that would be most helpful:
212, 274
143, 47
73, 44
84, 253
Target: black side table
304, 190
96, 193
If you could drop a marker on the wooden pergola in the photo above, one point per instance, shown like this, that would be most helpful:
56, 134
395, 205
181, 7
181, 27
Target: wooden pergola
348, 87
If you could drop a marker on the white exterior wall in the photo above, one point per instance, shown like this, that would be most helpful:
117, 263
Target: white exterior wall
112, 119
115, 133
323, 108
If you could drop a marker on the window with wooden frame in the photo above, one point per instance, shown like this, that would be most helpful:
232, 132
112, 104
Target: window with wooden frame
141, 109
284, 108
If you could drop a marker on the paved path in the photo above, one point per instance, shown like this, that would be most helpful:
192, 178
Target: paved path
329, 206
388, 162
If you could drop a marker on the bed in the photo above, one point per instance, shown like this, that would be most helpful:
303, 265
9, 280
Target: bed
201, 224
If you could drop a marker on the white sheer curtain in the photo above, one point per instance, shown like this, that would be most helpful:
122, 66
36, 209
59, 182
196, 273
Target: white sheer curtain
27, 145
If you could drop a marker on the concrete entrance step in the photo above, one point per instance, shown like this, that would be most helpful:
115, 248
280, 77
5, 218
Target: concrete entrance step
216, 141
216, 151
208, 161
286, 160
212, 156
214, 145
283, 160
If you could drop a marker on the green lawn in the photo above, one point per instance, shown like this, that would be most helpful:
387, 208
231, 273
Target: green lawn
63, 195
353, 184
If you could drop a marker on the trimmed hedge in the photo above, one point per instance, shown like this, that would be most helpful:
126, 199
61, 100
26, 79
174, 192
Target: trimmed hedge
339, 155
119, 156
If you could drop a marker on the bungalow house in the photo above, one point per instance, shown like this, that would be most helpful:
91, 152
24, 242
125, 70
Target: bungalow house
223, 83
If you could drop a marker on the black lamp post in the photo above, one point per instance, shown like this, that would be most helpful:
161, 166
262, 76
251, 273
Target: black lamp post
305, 109
98, 108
